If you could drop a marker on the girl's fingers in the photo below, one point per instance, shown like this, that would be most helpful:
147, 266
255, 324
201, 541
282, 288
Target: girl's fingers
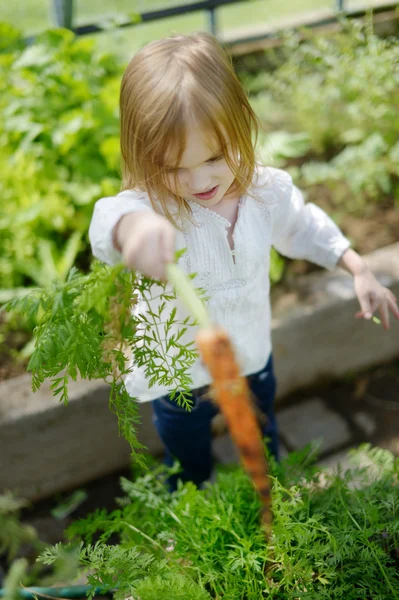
361, 315
366, 309
370, 304
159, 268
168, 245
392, 304
384, 312
375, 301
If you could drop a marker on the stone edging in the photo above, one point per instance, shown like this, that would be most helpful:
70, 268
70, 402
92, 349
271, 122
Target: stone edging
48, 448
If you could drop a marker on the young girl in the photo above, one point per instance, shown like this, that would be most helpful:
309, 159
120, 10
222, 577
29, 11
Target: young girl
191, 180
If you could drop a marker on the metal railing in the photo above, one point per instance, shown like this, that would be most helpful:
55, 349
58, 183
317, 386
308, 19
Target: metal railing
63, 11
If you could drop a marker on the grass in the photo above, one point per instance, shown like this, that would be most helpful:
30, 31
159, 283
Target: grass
35, 15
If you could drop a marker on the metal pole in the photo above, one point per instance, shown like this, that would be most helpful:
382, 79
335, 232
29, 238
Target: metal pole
63, 13
340, 5
212, 20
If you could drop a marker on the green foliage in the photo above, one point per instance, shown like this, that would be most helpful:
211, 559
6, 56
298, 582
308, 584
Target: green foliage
338, 97
69, 504
13, 534
86, 329
171, 586
335, 535
126, 571
369, 168
110, 566
277, 265
15, 576
19, 540
60, 151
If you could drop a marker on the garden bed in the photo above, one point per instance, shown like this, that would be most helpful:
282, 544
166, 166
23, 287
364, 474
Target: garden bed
211, 540
375, 391
315, 337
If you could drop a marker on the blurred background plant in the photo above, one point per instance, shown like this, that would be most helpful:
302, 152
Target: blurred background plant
337, 99
59, 153
59, 134
20, 547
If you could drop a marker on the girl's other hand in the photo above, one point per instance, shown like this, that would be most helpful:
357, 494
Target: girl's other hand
147, 242
372, 296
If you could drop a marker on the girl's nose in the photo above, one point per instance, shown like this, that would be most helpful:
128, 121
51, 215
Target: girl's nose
199, 181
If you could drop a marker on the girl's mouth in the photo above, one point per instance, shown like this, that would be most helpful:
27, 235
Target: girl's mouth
209, 194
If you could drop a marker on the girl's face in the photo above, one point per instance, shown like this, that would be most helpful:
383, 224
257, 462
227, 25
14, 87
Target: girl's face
203, 175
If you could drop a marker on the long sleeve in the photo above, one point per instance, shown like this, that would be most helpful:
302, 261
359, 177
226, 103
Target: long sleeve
302, 230
106, 214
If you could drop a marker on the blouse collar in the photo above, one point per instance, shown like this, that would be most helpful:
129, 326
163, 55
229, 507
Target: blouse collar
205, 215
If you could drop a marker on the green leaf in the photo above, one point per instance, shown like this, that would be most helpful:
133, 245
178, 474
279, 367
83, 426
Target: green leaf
110, 149
65, 263
277, 265
9, 36
36, 55
70, 504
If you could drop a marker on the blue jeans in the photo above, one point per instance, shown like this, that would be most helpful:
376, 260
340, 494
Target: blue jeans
187, 435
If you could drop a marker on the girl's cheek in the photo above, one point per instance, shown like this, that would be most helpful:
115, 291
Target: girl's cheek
226, 172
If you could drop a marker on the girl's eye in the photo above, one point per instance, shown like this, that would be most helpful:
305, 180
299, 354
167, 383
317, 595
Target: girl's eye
216, 158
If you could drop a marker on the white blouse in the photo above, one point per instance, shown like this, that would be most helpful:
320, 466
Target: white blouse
271, 213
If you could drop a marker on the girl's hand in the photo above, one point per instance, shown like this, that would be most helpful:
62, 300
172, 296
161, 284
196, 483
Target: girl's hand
370, 293
147, 242
373, 296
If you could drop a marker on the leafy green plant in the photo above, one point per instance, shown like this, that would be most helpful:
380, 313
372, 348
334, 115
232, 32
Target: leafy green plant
86, 329
59, 133
108, 567
15, 576
334, 100
127, 570
20, 546
13, 534
335, 535
171, 586
369, 170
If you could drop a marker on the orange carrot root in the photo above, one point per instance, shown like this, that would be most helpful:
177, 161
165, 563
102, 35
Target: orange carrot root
232, 393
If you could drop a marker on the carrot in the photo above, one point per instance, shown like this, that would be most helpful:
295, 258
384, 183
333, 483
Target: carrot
232, 393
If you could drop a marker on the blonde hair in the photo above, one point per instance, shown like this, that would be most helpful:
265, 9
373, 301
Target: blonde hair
166, 84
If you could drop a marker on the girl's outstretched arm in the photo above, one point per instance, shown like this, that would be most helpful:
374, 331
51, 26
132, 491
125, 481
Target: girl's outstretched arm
305, 231
301, 230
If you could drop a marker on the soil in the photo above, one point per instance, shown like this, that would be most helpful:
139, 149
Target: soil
10, 364
9, 368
